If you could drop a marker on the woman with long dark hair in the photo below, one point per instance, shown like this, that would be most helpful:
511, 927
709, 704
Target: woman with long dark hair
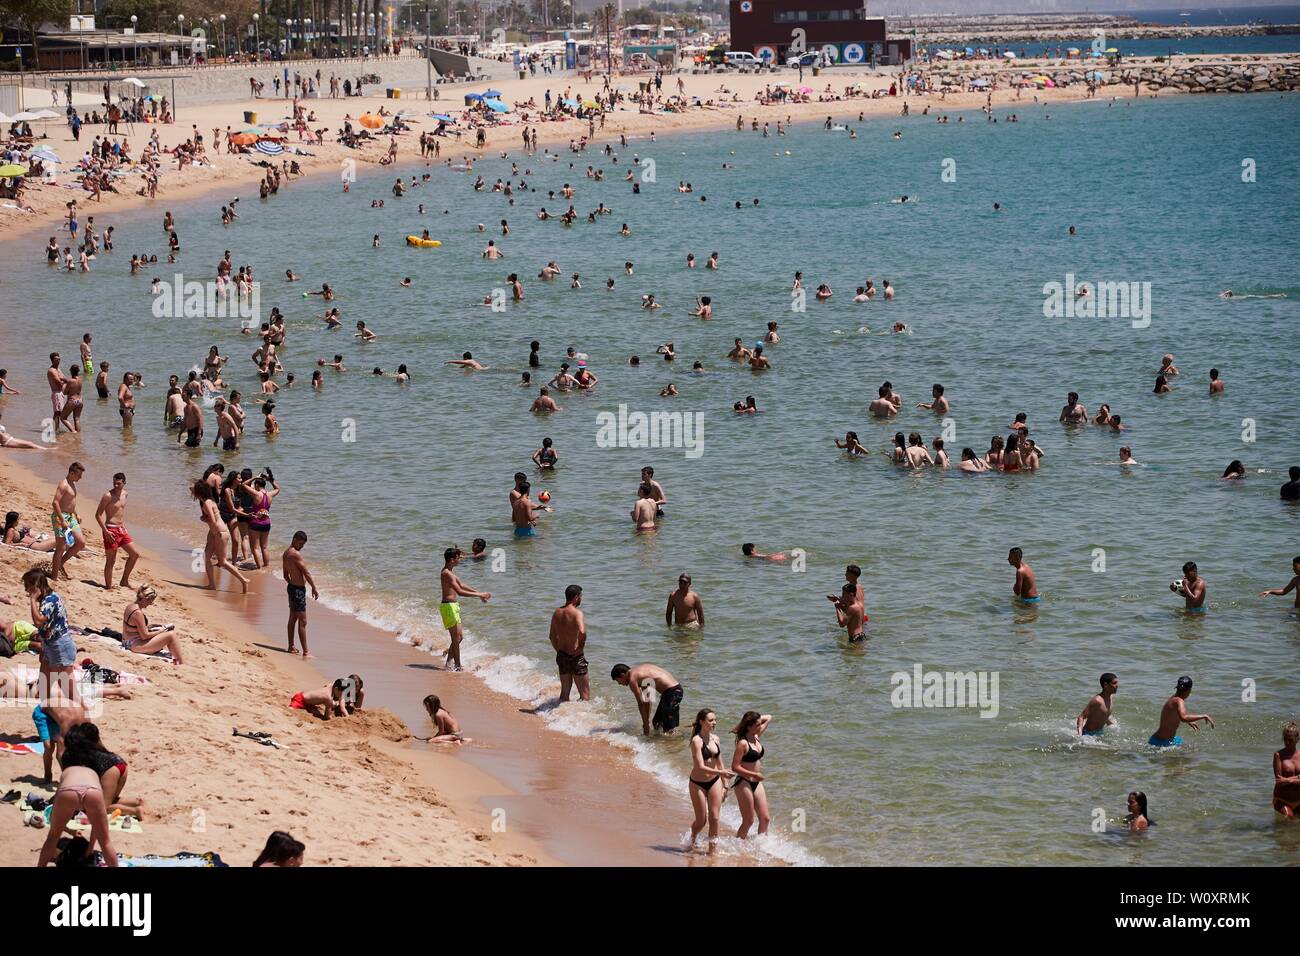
280, 850
747, 765
707, 787
1138, 818
82, 747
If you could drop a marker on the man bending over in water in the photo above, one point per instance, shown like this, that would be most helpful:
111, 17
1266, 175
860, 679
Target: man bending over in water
452, 587
641, 679
1173, 713
684, 605
1096, 717
1026, 586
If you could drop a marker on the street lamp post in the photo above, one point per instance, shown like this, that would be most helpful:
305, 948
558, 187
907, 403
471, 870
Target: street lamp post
307, 37
428, 60
288, 27
222, 18
257, 37
180, 20
135, 52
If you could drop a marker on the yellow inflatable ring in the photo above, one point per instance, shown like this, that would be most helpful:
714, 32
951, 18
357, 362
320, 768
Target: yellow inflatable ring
422, 243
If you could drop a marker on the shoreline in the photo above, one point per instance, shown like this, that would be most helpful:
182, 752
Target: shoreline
235, 172
548, 798
198, 781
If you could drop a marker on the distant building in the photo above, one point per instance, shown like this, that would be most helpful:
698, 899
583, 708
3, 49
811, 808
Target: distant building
777, 29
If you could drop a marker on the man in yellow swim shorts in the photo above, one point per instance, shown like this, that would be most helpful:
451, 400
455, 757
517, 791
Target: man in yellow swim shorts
452, 588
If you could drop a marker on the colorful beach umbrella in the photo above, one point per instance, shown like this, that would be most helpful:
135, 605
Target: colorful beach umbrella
492, 94
270, 147
11, 170
445, 117
371, 121
244, 139
44, 154
496, 106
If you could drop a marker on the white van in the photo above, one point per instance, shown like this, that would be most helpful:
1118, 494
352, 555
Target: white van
741, 58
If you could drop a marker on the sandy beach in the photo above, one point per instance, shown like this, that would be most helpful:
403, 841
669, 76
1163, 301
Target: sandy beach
350, 789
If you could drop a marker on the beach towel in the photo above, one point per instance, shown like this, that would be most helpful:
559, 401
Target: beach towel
176, 860
27, 749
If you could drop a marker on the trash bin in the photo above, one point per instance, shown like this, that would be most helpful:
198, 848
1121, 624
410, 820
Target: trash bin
389, 92
523, 74
250, 117
396, 93
817, 71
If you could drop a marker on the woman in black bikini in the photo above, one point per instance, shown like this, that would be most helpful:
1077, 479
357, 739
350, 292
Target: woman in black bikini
707, 787
747, 764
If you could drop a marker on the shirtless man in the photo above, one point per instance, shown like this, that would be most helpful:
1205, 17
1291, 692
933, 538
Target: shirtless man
739, 353
1026, 586
452, 588
468, 361
758, 361
111, 515
227, 427
748, 551
324, 702
1073, 412
940, 404
1286, 773
296, 580
544, 403
882, 407
569, 638
56, 380
849, 613
1191, 588
1294, 584
523, 512
641, 679
1173, 713
174, 408
191, 422
1216, 384
656, 490
1096, 714
64, 519
1167, 366
685, 609
643, 512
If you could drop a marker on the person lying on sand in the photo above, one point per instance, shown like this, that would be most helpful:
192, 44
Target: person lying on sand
328, 701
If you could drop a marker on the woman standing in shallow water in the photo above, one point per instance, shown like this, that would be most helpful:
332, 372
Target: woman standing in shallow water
747, 764
707, 787
216, 548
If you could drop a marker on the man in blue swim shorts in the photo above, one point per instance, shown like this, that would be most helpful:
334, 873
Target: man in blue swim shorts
523, 512
1173, 713
1191, 588
1095, 717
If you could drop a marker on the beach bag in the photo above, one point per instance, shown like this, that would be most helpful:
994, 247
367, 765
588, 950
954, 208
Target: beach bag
6, 648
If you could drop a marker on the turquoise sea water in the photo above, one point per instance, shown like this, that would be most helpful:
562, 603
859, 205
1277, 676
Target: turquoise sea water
1156, 193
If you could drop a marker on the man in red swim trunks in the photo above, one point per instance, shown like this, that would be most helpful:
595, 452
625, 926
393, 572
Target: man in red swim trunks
111, 515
